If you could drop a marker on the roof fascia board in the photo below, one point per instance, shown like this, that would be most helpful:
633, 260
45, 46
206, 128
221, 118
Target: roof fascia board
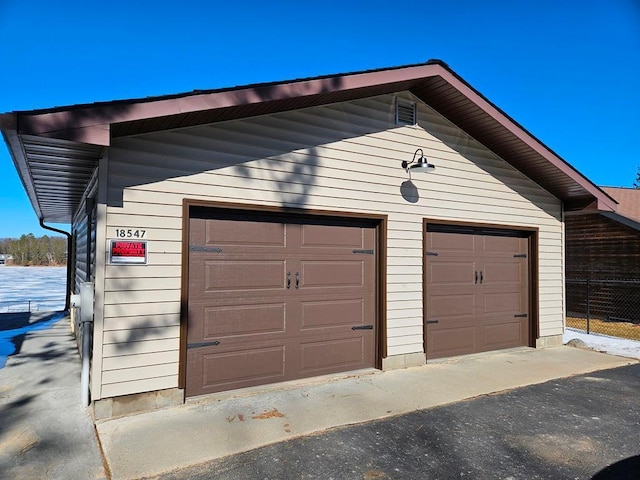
94, 134
90, 124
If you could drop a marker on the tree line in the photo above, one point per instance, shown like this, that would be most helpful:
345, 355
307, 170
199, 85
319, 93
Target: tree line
29, 250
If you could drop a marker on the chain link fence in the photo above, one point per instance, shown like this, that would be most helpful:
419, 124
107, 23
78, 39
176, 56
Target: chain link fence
609, 307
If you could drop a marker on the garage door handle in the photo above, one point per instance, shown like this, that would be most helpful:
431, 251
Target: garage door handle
288, 280
476, 272
362, 327
297, 280
202, 344
433, 321
480, 276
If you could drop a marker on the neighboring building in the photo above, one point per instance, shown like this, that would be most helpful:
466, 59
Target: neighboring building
5, 259
256, 234
606, 245
604, 249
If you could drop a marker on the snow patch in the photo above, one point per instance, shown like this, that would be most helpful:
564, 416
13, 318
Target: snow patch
604, 343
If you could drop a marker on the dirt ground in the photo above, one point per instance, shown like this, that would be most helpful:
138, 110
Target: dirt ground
614, 329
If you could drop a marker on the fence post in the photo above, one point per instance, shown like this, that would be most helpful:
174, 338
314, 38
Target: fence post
588, 316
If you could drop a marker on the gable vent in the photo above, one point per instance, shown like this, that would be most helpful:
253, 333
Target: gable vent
405, 113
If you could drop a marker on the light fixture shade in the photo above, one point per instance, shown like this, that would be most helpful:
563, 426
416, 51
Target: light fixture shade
423, 165
419, 165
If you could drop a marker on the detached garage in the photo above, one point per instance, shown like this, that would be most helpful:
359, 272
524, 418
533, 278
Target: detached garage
272, 232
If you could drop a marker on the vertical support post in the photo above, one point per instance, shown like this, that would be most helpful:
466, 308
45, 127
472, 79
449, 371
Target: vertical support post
588, 313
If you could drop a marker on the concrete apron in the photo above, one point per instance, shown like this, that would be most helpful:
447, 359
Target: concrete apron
224, 424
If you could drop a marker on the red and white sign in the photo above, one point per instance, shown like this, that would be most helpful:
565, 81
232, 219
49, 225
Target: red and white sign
124, 252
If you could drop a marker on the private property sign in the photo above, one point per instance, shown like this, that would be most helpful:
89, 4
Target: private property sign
126, 252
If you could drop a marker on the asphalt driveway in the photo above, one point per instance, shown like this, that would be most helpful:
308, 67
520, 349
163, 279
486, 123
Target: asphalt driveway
584, 427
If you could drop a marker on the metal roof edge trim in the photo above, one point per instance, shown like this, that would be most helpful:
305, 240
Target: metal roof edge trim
99, 116
172, 96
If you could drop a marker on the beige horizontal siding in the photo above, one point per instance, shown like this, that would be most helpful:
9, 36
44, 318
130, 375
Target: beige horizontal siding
147, 333
342, 157
140, 346
141, 296
119, 388
159, 283
142, 271
133, 374
139, 360
137, 322
148, 310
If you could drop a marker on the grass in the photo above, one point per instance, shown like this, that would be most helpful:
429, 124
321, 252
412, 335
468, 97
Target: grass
613, 329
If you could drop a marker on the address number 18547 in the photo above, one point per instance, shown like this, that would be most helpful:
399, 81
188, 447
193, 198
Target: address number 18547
130, 233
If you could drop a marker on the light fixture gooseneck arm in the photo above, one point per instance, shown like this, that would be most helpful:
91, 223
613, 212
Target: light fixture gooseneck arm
421, 165
406, 164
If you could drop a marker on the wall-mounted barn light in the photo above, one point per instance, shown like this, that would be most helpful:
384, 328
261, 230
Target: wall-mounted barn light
420, 165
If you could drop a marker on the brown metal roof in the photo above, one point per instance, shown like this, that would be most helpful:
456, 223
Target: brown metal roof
56, 149
628, 203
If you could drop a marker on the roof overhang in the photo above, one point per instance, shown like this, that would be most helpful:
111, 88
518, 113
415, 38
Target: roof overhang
55, 150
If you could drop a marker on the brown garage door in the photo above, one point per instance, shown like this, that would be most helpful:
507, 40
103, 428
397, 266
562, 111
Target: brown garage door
477, 290
273, 300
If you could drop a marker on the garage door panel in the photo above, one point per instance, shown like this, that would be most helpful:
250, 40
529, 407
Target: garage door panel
504, 302
451, 306
502, 335
218, 328
225, 370
452, 341
501, 244
243, 320
334, 355
245, 275
451, 273
451, 242
500, 273
332, 313
229, 232
332, 274
332, 236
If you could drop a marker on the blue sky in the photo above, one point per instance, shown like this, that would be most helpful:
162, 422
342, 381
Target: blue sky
568, 71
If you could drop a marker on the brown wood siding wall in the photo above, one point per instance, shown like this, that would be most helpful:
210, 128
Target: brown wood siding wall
598, 247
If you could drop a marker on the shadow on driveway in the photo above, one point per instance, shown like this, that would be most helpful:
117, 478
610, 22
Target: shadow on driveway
15, 326
45, 432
